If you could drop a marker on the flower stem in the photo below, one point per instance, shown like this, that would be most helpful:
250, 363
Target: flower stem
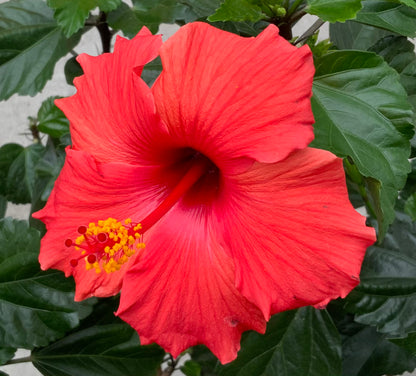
197, 170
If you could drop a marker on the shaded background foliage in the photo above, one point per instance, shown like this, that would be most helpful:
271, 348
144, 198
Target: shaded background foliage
364, 104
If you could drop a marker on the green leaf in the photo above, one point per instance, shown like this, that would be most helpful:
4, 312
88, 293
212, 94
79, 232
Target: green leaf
334, 10
8, 153
367, 353
408, 343
206, 360
389, 15
37, 307
296, 343
71, 14
108, 5
386, 296
361, 112
106, 350
146, 13
352, 35
237, 10
410, 206
151, 71
51, 120
201, 8
399, 53
30, 45
21, 177
191, 368
6, 353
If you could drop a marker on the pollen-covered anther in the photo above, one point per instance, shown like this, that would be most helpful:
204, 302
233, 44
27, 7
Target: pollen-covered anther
107, 244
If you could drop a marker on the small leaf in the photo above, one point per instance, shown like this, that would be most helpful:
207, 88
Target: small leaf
361, 111
71, 14
72, 69
296, 343
151, 71
105, 350
21, 177
30, 45
37, 307
51, 120
335, 10
386, 296
191, 368
237, 10
389, 15
6, 353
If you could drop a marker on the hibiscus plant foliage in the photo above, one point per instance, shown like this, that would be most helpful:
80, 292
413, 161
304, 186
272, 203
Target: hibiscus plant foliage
216, 180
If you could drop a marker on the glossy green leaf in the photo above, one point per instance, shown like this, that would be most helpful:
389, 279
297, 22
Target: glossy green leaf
399, 53
6, 353
351, 35
368, 353
51, 120
36, 307
105, 350
335, 10
21, 177
30, 45
386, 296
361, 111
237, 10
8, 153
390, 15
296, 343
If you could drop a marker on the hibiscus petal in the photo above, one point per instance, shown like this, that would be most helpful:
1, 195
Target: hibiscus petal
182, 291
85, 192
295, 237
237, 96
112, 115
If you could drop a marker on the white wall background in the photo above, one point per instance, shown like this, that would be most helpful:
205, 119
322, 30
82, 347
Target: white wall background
14, 128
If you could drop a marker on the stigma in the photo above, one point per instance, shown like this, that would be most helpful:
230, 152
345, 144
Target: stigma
107, 244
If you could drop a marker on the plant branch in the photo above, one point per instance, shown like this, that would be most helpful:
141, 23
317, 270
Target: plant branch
25, 359
308, 33
104, 30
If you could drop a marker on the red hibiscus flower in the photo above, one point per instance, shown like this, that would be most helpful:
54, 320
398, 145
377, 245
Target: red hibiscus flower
210, 169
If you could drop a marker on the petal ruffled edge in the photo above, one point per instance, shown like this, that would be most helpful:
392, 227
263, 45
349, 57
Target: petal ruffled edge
247, 96
182, 291
294, 236
87, 191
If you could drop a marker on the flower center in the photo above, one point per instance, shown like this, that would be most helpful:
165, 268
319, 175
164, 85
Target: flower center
108, 244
